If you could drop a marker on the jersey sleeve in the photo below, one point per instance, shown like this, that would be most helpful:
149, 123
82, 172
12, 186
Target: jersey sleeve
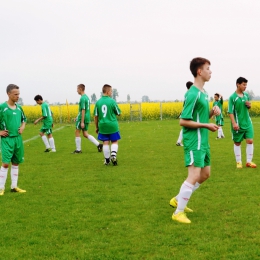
231, 105
23, 117
96, 110
188, 107
82, 104
117, 109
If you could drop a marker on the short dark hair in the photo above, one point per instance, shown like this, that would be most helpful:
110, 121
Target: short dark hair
10, 87
189, 84
105, 88
82, 86
196, 64
217, 95
38, 97
241, 80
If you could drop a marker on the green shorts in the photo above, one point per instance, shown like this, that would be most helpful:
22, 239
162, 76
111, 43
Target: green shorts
219, 120
12, 149
240, 135
197, 157
47, 129
78, 122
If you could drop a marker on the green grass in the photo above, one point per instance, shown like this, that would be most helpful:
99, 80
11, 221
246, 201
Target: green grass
77, 208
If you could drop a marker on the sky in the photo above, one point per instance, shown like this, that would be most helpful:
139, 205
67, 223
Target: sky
139, 47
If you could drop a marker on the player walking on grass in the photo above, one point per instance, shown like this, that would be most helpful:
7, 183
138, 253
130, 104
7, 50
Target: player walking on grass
179, 141
105, 112
83, 120
12, 120
47, 124
241, 124
195, 122
219, 119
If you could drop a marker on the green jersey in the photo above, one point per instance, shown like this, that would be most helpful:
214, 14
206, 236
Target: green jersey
196, 108
106, 109
11, 119
46, 113
219, 103
84, 104
237, 107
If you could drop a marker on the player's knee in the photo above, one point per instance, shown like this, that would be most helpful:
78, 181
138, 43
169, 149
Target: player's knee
237, 144
5, 165
249, 141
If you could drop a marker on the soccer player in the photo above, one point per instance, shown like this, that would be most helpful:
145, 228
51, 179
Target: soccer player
83, 120
195, 122
179, 141
47, 124
105, 112
219, 119
12, 126
241, 124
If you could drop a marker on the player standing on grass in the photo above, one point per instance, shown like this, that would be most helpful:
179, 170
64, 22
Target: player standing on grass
83, 120
241, 124
195, 121
105, 112
47, 124
188, 85
219, 119
12, 126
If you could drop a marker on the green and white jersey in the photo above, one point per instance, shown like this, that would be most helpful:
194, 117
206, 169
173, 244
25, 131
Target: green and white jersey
196, 108
237, 107
107, 109
11, 118
84, 104
219, 103
46, 113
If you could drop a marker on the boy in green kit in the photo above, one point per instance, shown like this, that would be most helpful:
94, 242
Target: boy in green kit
13, 121
105, 112
219, 119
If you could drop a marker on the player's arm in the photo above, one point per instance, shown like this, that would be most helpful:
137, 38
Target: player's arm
231, 107
195, 125
233, 122
38, 120
4, 133
96, 123
83, 112
21, 128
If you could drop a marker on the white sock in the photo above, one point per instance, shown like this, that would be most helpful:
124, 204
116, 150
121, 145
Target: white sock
3, 176
93, 140
196, 186
180, 137
14, 176
114, 149
45, 141
249, 152
78, 143
237, 151
184, 196
222, 133
106, 151
52, 144
219, 132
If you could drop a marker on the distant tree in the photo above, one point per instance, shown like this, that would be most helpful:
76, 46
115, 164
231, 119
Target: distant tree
114, 93
20, 102
128, 98
93, 98
101, 94
145, 99
250, 94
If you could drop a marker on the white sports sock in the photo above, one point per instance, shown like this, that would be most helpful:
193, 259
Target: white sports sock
237, 151
219, 132
249, 152
114, 149
45, 141
196, 186
14, 176
78, 143
222, 133
93, 140
3, 176
184, 196
52, 144
180, 137
106, 151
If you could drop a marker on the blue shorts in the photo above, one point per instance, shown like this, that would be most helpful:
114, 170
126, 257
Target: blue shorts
109, 137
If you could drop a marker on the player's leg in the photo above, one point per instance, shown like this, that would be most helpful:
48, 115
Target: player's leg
237, 137
92, 139
44, 139
178, 143
115, 137
51, 140
106, 149
250, 148
77, 139
18, 157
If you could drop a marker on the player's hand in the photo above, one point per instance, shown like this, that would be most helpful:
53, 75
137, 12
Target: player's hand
20, 130
96, 130
212, 127
35, 122
216, 111
4, 133
235, 126
248, 104
74, 119
52, 125
82, 125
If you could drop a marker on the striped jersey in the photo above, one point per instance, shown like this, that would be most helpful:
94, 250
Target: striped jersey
196, 108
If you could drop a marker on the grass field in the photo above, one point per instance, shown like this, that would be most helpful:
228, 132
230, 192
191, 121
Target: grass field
77, 208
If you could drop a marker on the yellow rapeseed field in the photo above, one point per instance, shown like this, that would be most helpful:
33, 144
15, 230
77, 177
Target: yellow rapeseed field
149, 111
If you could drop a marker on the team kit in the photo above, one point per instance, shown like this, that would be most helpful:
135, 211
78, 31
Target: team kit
194, 135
